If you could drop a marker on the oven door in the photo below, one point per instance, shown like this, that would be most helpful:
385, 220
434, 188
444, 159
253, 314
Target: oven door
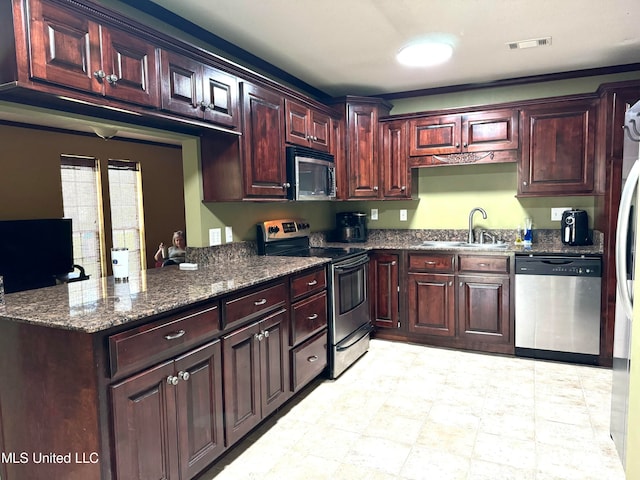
350, 297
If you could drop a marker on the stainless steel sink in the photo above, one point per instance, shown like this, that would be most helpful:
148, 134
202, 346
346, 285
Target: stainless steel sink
460, 244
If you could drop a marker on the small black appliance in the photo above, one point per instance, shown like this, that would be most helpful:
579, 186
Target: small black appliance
350, 227
575, 227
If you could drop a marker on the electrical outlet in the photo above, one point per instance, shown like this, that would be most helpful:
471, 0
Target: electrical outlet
374, 214
228, 235
403, 215
215, 236
556, 213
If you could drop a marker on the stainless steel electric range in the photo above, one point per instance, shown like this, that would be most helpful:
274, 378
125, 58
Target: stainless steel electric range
349, 314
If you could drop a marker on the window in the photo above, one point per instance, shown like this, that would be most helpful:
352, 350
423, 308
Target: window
82, 203
126, 209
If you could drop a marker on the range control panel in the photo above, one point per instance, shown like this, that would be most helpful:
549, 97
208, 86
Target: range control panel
273, 230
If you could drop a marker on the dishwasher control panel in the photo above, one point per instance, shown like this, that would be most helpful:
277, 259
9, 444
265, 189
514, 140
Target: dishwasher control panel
578, 266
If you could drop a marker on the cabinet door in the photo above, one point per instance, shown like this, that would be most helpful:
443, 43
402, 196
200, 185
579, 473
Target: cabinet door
431, 304
362, 166
297, 123
319, 128
199, 408
133, 61
436, 135
274, 367
64, 47
144, 425
558, 149
483, 308
383, 273
241, 371
263, 141
181, 90
220, 97
394, 169
490, 131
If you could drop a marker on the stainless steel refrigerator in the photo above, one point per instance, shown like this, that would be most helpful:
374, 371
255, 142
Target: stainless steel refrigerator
625, 261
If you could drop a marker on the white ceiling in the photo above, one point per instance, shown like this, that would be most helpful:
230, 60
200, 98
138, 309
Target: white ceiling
348, 46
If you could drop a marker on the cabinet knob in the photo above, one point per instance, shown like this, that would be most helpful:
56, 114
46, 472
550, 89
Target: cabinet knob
172, 380
259, 336
286, 185
265, 333
99, 74
393, 263
451, 284
204, 105
524, 183
457, 145
375, 189
465, 145
112, 79
403, 188
182, 375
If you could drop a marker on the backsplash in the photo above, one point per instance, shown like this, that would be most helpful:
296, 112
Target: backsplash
221, 253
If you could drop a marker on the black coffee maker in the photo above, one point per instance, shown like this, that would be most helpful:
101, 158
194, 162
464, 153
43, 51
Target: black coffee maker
574, 227
350, 227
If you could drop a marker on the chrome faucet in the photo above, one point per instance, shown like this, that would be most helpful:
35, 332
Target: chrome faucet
484, 215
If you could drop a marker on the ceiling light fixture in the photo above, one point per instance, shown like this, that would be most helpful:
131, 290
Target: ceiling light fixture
424, 54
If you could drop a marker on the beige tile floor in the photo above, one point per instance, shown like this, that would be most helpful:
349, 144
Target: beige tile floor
411, 412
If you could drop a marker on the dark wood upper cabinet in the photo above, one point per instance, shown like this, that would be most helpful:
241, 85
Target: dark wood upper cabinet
394, 168
75, 51
195, 89
558, 148
306, 126
265, 173
483, 131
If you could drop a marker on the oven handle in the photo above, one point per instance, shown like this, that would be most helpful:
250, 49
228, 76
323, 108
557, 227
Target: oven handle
348, 266
368, 329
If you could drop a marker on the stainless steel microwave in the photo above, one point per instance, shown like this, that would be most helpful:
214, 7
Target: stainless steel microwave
311, 174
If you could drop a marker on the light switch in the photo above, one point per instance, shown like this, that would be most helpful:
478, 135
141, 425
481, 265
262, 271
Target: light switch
403, 215
228, 235
374, 214
215, 236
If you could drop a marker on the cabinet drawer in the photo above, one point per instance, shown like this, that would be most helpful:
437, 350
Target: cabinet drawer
431, 263
308, 282
308, 360
139, 347
309, 316
492, 264
253, 304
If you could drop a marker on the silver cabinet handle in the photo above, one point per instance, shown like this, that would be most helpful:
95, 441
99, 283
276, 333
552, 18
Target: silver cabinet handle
313, 317
112, 79
262, 301
265, 333
172, 380
403, 188
99, 74
465, 145
312, 358
393, 263
429, 262
375, 189
482, 265
524, 183
457, 145
259, 336
286, 185
182, 375
312, 283
173, 336
451, 284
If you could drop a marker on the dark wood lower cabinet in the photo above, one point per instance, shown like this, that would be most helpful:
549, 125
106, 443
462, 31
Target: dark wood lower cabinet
167, 420
431, 305
256, 374
483, 309
383, 279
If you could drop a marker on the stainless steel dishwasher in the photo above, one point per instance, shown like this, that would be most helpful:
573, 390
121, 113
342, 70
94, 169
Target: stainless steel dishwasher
558, 307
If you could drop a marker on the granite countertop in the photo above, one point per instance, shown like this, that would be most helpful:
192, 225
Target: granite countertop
98, 304
544, 242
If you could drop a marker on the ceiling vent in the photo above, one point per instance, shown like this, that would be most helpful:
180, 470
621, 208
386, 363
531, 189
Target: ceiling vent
534, 42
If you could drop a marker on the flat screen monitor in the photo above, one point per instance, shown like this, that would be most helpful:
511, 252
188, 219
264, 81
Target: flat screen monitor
34, 252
